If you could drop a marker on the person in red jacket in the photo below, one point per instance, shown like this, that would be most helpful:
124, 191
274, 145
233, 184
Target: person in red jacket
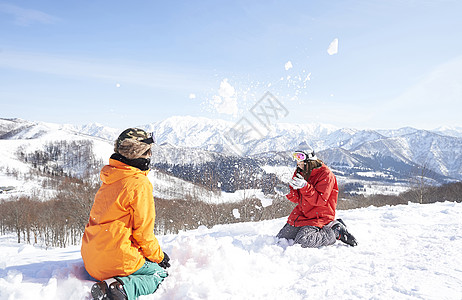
314, 189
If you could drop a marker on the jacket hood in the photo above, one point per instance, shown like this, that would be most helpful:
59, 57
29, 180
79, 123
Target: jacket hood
117, 170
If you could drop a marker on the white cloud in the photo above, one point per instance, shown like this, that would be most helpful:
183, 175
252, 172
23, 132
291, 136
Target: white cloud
333, 47
25, 17
226, 102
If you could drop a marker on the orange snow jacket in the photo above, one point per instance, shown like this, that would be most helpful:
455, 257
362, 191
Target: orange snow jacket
316, 201
120, 233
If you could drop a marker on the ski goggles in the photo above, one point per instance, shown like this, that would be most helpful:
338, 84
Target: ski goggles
150, 139
302, 156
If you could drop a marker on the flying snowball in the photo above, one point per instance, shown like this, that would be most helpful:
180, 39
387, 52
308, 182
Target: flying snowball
226, 100
265, 202
192, 96
333, 47
288, 65
118, 85
308, 77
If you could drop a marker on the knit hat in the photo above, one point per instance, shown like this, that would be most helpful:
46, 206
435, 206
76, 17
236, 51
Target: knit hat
134, 143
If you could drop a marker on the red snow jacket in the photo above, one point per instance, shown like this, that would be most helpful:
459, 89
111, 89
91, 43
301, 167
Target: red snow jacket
316, 201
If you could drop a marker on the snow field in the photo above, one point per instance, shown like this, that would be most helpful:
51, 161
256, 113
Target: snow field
404, 252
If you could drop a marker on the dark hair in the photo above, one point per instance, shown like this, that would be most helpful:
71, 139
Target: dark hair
310, 165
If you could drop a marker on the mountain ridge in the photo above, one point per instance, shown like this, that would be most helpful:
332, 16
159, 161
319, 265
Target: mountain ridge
194, 140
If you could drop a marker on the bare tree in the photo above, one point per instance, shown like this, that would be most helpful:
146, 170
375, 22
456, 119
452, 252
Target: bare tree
420, 180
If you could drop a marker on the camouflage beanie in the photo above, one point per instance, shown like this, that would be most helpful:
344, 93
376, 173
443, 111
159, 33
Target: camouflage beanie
134, 143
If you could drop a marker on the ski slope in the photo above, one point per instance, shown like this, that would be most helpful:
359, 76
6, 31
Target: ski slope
405, 252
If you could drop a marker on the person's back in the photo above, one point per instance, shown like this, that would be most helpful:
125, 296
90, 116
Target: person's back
107, 246
119, 247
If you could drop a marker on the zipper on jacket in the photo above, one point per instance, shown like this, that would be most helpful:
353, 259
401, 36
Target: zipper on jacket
296, 220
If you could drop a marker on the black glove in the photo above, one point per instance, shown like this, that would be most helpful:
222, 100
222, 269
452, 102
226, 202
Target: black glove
165, 262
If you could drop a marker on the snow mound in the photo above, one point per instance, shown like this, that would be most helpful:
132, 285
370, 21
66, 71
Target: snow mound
404, 252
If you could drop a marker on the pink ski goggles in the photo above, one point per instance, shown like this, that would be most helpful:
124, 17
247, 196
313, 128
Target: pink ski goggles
302, 156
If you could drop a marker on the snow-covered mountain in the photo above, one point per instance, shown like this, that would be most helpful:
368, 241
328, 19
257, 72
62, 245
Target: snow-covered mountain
454, 131
400, 151
442, 154
392, 154
407, 146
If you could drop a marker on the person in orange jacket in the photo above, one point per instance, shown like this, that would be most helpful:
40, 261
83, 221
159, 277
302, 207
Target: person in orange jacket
119, 247
314, 189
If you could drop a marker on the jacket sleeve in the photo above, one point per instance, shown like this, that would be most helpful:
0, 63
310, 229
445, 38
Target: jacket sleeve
144, 215
319, 193
293, 196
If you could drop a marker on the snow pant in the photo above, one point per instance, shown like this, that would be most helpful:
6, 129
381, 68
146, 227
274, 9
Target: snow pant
144, 281
309, 236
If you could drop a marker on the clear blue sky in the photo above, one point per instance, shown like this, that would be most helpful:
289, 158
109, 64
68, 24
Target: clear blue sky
126, 63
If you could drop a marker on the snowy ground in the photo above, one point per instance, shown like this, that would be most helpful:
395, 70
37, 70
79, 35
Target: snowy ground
404, 252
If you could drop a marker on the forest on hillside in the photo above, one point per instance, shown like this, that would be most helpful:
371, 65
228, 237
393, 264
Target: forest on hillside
70, 170
61, 221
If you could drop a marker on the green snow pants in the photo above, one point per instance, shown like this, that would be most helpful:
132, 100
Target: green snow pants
144, 281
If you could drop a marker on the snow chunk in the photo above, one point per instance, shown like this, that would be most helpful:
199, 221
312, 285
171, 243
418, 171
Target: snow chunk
333, 47
264, 200
226, 102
